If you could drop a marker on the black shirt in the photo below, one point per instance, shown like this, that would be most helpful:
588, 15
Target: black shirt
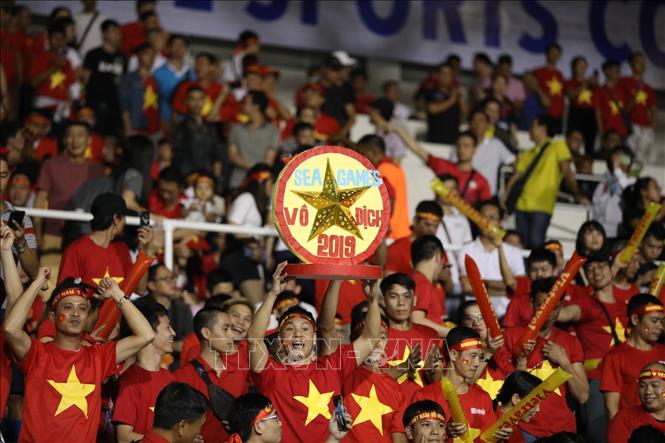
337, 98
385, 107
442, 127
105, 72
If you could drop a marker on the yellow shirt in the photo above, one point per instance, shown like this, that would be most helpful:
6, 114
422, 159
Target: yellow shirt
541, 188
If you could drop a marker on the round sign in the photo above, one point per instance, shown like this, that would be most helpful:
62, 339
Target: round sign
331, 206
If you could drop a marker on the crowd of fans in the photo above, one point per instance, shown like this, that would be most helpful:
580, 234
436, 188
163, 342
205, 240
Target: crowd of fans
118, 119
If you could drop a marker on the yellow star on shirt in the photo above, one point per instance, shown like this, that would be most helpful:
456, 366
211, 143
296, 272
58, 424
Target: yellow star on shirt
489, 384
149, 98
152, 408
473, 433
554, 86
316, 402
73, 393
544, 371
585, 96
371, 409
106, 274
207, 106
57, 78
614, 108
620, 330
641, 97
404, 377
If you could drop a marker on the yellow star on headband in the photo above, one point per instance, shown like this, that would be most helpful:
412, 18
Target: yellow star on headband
371, 409
489, 384
149, 98
73, 393
106, 274
332, 206
57, 78
554, 86
641, 97
585, 96
473, 433
544, 371
404, 377
620, 330
316, 402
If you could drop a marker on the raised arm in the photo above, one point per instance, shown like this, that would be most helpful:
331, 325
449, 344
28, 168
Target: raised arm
258, 352
506, 273
17, 315
420, 317
411, 143
13, 284
571, 181
570, 313
371, 333
327, 318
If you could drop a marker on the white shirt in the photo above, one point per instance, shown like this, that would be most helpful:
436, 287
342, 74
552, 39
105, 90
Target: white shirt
606, 201
457, 232
244, 212
156, 64
490, 154
94, 37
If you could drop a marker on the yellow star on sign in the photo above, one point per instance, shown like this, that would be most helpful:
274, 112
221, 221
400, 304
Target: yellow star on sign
544, 371
554, 86
620, 330
106, 274
489, 384
371, 409
149, 98
73, 393
614, 108
585, 96
332, 206
641, 97
404, 377
473, 433
57, 78
207, 106
316, 402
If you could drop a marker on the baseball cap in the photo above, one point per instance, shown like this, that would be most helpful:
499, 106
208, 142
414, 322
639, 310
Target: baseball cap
344, 58
108, 204
332, 62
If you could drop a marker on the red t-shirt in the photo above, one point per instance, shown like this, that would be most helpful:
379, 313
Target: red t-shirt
351, 293
63, 391
399, 346
627, 420
477, 189
621, 368
85, 259
551, 83
643, 98
5, 372
584, 98
233, 378
376, 404
153, 437
94, 151
363, 103
155, 206
9, 49
399, 256
429, 298
133, 35
594, 331
554, 415
609, 103
624, 295
520, 309
56, 86
476, 404
137, 394
303, 394
45, 147
191, 348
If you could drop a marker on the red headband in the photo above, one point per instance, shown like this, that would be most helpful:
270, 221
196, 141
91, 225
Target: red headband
264, 413
427, 415
428, 216
648, 309
69, 292
295, 315
652, 373
468, 343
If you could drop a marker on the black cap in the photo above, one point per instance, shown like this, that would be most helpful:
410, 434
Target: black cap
108, 204
332, 62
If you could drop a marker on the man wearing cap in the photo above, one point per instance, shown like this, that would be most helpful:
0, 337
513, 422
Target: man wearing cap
63, 378
621, 366
650, 412
339, 99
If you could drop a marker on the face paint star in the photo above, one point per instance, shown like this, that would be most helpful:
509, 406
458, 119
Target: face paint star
73, 393
57, 78
554, 86
620, 330
585, 96
371, 409
149, 98
316, 403
641, 97
106, 274
332, 206
405, 377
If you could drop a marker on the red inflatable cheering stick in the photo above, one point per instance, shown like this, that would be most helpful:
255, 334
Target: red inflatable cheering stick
109, 314
555, 294
482, 297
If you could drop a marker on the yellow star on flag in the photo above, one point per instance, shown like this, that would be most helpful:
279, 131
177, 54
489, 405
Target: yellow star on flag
332, 206
473, 433
152, 408
73, 393
489, 384
371, 409
316, 402
585, 96
641, 97
207, 106
106, 274
614, 108
404, 377
544, 371
554, 86
620, 330
149, 98
57, 78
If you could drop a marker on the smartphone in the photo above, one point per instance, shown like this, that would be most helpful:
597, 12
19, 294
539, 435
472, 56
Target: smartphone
16, 219
144, 218
340, 410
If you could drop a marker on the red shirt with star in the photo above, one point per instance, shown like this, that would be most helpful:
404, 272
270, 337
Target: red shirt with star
137, 393
551, 82
624, 295
399, 256
520, 309
351, 292
303, 394
491, 379
212, 91
585, 96
63, 391
621, 368
476, 191
643, 98
609, 101
233, 379
85, 259
429, 298
627, 420
151, 110
56, 86
594, 331
376, 404
555, 415
399, 346
476, 404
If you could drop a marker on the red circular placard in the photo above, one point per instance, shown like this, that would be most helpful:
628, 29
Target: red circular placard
285, 231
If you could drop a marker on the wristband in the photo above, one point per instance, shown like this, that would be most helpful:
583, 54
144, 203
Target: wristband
122, 301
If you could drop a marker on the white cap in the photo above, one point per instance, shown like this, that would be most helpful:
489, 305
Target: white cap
344, 58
